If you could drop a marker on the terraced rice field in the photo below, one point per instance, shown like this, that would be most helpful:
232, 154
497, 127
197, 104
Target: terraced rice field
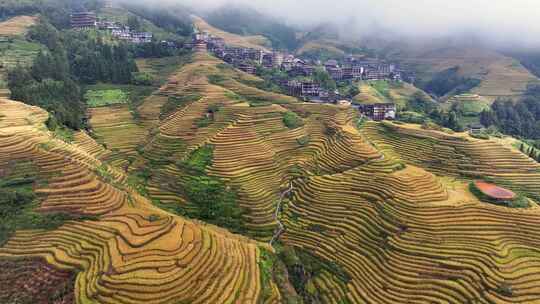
115, 127
17, 26
255, 42
13, 48
500, 76
253, 149
386, 208
386, 92
133, 252
457, 155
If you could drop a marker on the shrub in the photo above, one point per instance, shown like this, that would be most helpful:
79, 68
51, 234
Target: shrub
483, 136
216, 203
412, 117
51, 123
64, 134
428, 125
505, 289
361, 122
153, 218
142, 78
203, 122
200, 159
216, 79
303, 141
176, 101
292, 120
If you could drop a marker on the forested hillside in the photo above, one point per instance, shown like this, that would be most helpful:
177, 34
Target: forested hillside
70, 60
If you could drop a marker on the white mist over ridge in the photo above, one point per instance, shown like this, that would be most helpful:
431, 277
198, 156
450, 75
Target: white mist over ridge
506, 23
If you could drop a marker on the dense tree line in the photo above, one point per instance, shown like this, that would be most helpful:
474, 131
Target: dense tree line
70, 58
48, 82
93, 61
449, 81
521, 118
420, 103
157, 49
529, 59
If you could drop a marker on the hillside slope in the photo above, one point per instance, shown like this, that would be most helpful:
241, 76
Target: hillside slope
500, 76
368, 207
128, 251
255, 42
14, 49
379, 213
17, 25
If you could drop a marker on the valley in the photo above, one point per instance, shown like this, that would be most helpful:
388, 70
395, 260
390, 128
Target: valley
211, 167
349, 206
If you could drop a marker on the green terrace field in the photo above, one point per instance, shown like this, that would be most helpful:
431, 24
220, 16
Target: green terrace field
100, 98
15, 51
383, 91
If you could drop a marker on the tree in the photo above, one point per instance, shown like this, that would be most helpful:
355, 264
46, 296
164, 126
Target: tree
453, 122
321, 76
216, 203
134, 23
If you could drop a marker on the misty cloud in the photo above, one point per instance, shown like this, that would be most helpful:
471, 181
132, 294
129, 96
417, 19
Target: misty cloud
500, 21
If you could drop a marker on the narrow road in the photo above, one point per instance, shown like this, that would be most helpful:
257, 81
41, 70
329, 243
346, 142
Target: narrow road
280, 229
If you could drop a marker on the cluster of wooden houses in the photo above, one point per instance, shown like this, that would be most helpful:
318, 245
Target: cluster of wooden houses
89, 20
299, 71
247, 59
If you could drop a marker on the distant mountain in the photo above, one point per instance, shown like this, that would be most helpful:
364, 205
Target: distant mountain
246, 21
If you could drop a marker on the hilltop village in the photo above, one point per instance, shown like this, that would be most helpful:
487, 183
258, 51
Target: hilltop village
299, 81
294, 76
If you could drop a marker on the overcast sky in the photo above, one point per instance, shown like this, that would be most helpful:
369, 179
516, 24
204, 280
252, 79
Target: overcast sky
502, 21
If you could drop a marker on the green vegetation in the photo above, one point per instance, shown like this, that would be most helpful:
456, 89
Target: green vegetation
521, 118
270, 77
304, 267
170, 19
161, 68
100, 98
530, 148
360, 122
174, 102
412, 117
135, 94
470, 107
382, 87
216, 79
420, 109
267, 261
64, 134
292, 120
17, 51
210, 199
449, 82
215, 202
200, 159
349, 90
321, 76
142, 78
303, 141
